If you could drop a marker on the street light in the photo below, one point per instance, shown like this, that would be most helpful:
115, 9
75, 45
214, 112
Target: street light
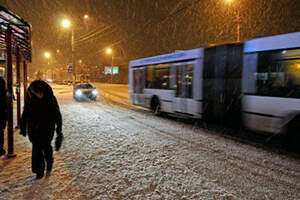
238, 19
85, 17
67, 24
109, 51
47, 55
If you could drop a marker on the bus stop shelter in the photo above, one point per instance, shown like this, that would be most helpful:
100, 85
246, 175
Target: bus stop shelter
15, 39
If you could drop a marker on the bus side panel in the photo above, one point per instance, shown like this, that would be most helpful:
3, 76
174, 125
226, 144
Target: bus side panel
198, 80
130, 82
165, 98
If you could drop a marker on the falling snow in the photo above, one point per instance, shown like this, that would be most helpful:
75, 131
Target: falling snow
119, 151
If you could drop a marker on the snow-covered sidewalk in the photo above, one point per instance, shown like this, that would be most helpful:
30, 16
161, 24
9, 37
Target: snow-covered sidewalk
112, 152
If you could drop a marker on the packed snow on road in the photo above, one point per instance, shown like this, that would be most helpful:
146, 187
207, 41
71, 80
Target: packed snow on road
113, 150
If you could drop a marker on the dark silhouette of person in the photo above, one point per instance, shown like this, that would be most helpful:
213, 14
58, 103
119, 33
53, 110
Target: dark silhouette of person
40, 117
3, 114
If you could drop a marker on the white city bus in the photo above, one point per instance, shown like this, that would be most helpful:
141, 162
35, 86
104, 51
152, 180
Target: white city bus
255, 83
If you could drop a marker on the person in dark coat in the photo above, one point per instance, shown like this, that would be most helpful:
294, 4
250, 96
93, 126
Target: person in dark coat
3, 114
40, 116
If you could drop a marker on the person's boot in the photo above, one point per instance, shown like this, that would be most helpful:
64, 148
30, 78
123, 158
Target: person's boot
39, 175
49, 168
2, 152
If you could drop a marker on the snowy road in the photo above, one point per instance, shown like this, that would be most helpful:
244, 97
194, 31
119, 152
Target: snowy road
113, 150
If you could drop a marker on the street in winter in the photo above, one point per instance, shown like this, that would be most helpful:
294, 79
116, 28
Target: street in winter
149, 99
113, 150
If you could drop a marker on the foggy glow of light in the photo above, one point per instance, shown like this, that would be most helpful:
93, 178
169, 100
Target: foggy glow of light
47, 55
85, 17
228, 1
66, 23
108, 50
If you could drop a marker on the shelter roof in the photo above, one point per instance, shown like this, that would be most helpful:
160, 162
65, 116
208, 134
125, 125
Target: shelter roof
21, 32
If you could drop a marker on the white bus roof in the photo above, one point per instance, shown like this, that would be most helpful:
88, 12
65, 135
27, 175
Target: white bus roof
171, 57
284, 41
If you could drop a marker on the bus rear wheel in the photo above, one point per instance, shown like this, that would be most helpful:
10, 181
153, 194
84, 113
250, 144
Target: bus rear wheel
155, 106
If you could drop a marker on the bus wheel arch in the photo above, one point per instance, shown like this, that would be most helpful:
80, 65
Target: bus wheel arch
155, 105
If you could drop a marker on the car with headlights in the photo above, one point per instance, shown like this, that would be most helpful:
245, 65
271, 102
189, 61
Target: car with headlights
85, 92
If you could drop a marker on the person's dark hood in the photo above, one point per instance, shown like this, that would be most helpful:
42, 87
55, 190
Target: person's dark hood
39, 86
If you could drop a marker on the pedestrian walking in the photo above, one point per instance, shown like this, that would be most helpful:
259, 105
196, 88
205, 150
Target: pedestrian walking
40, 117
3, 114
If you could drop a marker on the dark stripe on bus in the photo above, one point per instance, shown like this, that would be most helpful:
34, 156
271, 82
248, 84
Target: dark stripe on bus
166, 100
262, 114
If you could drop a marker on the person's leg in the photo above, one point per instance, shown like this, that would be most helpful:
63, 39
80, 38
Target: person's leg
2, 151
38, 164
48, 157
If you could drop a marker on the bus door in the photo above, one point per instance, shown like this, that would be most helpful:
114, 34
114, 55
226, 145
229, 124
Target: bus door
183, 101
138, 85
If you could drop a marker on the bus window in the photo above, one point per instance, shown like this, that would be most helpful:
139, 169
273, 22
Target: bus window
184, 81
179, 73
278, 73
189, 81
158, 76
138, 80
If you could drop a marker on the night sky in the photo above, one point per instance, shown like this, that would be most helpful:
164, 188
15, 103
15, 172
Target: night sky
142, 28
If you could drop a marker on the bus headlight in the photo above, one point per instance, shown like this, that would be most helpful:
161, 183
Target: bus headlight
95, 92
78, 92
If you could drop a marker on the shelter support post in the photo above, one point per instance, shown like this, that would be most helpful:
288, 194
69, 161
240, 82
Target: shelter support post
10, 130
25, 78
18, 89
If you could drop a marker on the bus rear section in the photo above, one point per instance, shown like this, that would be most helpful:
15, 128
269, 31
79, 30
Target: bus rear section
271, 84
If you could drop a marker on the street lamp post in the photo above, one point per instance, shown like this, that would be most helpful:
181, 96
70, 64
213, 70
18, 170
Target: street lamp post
238, 26
48, 57
238, 21
67, 24
109, 51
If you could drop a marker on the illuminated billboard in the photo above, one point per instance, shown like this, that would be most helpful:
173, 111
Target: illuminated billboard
111, 70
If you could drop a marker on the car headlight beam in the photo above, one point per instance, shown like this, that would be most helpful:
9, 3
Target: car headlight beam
78, 92
95, 92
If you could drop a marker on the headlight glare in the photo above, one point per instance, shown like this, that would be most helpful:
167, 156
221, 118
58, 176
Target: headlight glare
95, 92
78, 92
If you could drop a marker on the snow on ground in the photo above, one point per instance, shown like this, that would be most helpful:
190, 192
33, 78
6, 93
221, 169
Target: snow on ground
123, 152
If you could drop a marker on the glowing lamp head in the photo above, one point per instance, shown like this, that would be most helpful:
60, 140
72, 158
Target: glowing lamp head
47, 55
66, 23
108, 51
